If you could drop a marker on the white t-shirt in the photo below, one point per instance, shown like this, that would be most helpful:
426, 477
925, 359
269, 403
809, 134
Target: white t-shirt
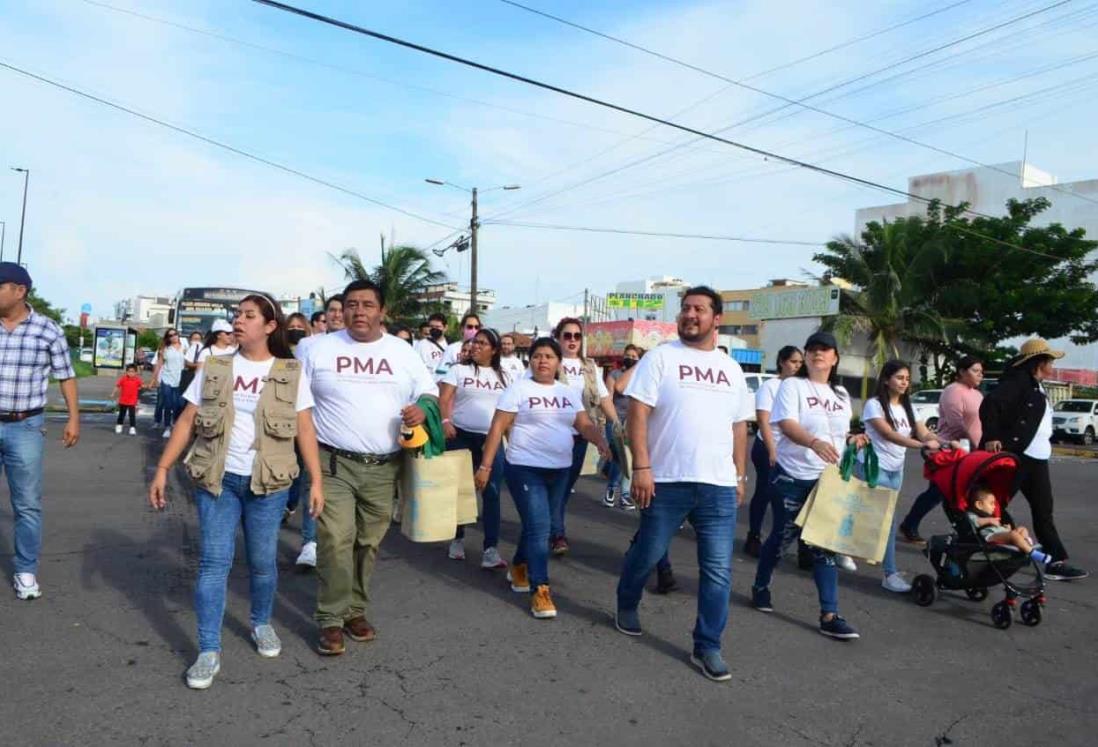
513, 366
248, 380
890, 456
215, 350
1041, 445
696, 396
360, 389
192, 351
541, 435
573, 369
431, 353
764, 400
453, 352
821, 412
477, 390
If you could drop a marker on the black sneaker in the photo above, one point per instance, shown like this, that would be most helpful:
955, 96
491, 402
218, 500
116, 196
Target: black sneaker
1061, 571
610, 498
665, 581
912, 537
628, 622
712, 665
752, 545
837, 627
760, 599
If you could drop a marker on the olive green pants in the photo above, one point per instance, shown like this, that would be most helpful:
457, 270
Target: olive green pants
358, 506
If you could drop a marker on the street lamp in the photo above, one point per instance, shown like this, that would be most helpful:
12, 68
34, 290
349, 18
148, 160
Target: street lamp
23, 217
474, 224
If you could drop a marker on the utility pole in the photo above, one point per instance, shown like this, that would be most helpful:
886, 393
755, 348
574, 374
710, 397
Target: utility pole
473, 260
23, 217
583, 341
3, 232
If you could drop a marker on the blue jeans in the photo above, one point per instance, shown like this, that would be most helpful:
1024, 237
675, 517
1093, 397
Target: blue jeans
924, 504
712, 511
167, 397
298, 494
892, 479
218, 518
613, 469
760, 499
534, 490
787, 495
560, 504
21, 447
490, 510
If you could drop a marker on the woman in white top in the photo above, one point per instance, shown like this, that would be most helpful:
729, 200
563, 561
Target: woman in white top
540, 413
582, 375
468, 394
166, 376
813, 412
260, 330
892, 429
219, 341
764, 452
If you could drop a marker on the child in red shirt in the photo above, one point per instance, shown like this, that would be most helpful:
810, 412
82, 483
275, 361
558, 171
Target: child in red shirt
126, 390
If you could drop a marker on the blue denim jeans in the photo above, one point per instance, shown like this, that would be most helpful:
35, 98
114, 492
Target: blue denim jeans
560, 504
534, 490
760, 499
892, 479
299, 495
613, 469
787, 495
21, 447
490, 510
167, 397
712, 511
218, 518
923, 505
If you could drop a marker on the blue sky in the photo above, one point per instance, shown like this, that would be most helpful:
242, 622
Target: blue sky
119, 207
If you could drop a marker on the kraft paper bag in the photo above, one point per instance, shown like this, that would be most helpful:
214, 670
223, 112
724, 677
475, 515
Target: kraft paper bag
466, 489
848, 516
429, 491
590, 461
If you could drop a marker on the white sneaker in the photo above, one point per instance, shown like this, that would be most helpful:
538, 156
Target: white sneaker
205, 668
897, 583
133, 431
845, 562
457, 550
307, 557
168, 434
266, 641
491, 559
26, 586
118, 429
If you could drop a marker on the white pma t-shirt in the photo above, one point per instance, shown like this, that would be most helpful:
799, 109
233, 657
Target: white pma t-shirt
431, 353
764, 400
513, 366
541, 435
695, 396
890, 456
360, 389
822, 412
1041, 445
215, 350
476, 391
248, 380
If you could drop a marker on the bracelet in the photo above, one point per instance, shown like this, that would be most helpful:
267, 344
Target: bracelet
485, 467
638, 469
162, 467
447, 420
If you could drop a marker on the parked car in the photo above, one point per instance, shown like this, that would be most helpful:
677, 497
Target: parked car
1075, 420
925, 405
754, 381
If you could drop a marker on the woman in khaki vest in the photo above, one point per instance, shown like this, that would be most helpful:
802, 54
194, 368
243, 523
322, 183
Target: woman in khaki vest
244, 411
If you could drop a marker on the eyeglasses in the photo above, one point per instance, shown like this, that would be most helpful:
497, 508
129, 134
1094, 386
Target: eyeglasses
472, 326
571, 335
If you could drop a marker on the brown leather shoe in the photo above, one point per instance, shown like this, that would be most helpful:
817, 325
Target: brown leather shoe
358, 629
330, 642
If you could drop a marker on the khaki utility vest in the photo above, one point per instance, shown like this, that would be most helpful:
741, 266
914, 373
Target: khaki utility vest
591, 398
275, 427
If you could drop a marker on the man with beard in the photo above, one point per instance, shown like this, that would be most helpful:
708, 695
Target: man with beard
432, 347
687, 428
511, 364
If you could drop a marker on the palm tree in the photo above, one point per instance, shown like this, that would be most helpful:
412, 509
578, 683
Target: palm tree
403, 274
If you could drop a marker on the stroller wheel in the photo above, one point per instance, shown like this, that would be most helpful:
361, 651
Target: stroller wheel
924, 589
1002, 616
1031, 612
977, 594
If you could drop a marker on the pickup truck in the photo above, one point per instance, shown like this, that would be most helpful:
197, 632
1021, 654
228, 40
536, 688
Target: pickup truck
1075, 420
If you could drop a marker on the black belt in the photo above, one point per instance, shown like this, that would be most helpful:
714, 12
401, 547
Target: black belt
354, 456
15, 417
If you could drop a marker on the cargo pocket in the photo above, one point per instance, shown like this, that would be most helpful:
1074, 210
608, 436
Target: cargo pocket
284, 391
201, 460
211, 386
280, 426
209, 425
278, 470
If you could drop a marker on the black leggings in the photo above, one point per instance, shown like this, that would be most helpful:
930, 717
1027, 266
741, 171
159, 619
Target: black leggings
132, 410
1034, 482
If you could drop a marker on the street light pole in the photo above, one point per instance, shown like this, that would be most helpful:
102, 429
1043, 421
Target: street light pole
473, 260
23, 217
3, 233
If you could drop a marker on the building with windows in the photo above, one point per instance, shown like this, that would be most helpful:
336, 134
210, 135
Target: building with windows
148, 311
655, 299
456, 301
536, 320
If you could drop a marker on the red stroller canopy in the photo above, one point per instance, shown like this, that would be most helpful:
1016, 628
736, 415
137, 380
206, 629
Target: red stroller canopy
956, 473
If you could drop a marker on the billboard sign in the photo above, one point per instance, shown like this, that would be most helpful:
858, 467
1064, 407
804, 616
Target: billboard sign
795, 302
641, 301
110, 347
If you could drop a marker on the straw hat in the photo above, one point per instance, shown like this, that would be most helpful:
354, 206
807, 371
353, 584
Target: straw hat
1033, 348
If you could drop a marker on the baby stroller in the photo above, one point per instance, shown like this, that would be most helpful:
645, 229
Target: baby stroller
964, 561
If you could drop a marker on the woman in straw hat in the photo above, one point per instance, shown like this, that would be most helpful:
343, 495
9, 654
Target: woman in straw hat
1017, 416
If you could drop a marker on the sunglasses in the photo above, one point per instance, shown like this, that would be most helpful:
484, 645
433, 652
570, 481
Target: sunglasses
571, 335
472, 326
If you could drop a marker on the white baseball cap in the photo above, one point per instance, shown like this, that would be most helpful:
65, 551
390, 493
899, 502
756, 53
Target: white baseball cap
221, 325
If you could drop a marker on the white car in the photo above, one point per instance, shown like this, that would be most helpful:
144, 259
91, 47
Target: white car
925, 405
754, 381
1075, 420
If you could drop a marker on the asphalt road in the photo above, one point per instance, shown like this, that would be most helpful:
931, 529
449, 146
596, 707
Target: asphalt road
99, 659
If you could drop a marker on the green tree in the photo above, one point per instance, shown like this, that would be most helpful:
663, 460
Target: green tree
403, 274
44, 307
149, 340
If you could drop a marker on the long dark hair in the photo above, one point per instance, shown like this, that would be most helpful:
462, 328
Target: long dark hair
786, 353
276, 341
888, 370
832, 377
493, 339
557, 330
165, 341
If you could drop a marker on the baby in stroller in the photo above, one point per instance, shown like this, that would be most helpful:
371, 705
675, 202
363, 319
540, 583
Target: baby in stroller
983, 516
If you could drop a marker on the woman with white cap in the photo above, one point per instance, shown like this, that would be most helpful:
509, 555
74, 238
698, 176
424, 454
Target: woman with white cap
1017, 416
218, 342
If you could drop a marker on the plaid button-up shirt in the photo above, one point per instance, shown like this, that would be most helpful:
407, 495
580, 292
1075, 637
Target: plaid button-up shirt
29, 353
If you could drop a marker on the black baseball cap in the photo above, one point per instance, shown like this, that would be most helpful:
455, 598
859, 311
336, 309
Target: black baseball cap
10, 272
821, 340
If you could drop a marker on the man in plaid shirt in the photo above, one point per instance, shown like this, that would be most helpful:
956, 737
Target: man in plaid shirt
32, 347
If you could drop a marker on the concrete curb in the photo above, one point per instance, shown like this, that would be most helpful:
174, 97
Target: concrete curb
1075, 451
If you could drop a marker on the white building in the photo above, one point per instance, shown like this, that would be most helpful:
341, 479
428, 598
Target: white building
455, 300
987, 190
658, 302
530, 320
150, 311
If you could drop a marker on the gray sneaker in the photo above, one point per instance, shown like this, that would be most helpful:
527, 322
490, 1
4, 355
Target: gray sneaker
266, 641
205, 668
711, 665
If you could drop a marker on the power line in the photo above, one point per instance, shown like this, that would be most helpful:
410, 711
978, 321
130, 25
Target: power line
224, 146
778, 96
659, 234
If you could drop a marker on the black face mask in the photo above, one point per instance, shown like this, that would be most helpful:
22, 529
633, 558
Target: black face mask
435, 333
295, 335
628, 363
